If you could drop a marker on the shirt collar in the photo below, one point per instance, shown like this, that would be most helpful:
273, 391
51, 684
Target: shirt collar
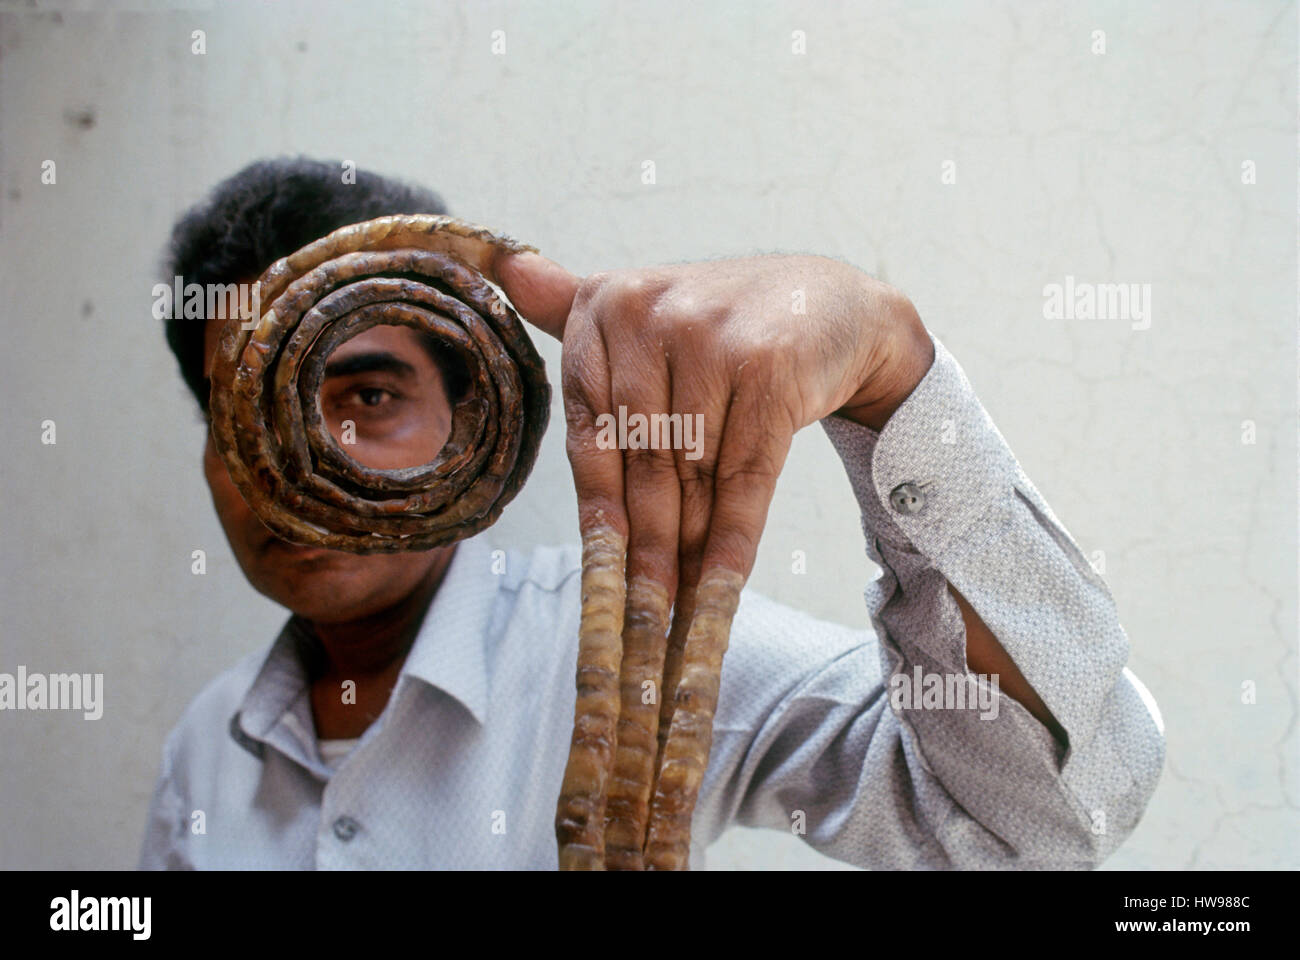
447, 654
278, 693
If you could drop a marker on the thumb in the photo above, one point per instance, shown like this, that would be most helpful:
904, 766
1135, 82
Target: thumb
541, 290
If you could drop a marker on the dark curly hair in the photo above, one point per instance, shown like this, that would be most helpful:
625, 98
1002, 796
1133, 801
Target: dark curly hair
266, 211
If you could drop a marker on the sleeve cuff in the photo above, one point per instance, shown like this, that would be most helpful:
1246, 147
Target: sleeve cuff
939, 456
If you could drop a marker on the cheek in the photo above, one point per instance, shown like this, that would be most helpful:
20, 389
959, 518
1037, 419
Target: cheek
230, 506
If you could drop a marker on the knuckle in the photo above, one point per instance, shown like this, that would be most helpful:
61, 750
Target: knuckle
651, 465
652, 535
583, 454
689, 317
582, 376
731, 548
696, 476
759, 468
765, 388
573, 381
578, 417
591, 285
634, 293
763, 362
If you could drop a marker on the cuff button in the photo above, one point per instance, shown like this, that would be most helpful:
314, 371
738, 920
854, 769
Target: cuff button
345, 828
907, 499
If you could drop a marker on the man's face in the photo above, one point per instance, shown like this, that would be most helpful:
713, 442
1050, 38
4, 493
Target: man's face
387, 384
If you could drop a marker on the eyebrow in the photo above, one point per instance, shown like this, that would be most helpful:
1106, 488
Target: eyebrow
377, 362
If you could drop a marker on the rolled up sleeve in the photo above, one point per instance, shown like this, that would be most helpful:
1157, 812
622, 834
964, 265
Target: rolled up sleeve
893, 781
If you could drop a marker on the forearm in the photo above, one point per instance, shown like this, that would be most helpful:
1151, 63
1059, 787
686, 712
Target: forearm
984, 655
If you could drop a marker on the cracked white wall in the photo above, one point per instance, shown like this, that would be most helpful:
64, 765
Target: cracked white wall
1124, 167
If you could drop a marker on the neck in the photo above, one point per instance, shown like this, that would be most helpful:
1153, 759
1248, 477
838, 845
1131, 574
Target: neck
378, 644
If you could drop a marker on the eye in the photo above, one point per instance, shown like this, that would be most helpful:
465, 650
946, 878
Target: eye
372, 396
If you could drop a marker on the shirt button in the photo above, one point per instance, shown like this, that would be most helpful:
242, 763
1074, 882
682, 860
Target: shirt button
907, 498
345, 828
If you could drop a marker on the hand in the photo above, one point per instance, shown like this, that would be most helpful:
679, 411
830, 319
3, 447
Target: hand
720, 342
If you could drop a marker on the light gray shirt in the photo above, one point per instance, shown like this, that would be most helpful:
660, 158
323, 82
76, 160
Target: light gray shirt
841, 736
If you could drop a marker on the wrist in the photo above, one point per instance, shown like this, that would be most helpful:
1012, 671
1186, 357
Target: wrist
900, 361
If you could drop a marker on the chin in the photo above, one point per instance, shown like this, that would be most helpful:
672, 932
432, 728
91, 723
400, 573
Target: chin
330, 586
323, 602
321, 585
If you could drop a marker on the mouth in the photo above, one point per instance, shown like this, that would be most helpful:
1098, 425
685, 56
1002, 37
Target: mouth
283, 548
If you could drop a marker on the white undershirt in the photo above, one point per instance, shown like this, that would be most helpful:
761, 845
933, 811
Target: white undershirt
333, 751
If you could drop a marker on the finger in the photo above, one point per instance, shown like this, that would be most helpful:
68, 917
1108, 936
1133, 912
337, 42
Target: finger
640, 393
683, 611
585, 384
686, 751
541, 290
580, 811
598, 480
651, 490
752, 453
749, 463
697, 465
627, 808
696, 462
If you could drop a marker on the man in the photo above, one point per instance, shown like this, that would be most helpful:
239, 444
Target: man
416, 710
